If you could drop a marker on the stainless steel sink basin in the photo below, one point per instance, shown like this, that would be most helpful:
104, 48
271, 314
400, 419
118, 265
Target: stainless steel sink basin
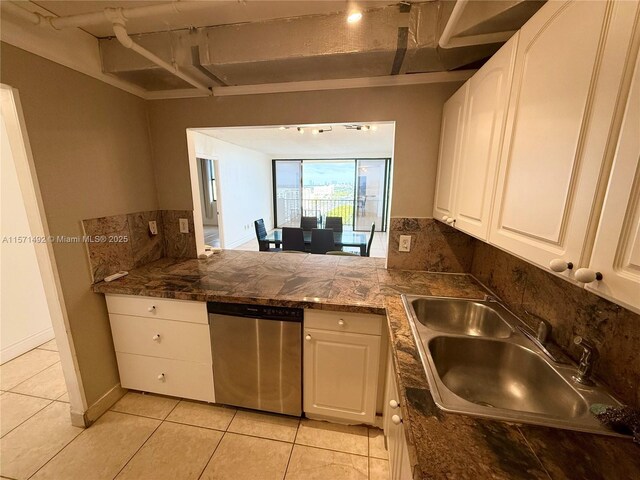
503, 375
477, 362
463, 317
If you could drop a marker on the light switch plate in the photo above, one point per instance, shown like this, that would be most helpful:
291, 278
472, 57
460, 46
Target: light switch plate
153, 227
405, 243
184, 225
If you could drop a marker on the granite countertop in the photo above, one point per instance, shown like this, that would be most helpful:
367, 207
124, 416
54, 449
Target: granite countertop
441, 445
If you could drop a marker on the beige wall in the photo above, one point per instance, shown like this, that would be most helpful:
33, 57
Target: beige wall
91, 149
416, 109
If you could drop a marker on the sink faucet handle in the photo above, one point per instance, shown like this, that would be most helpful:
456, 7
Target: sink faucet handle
588, 357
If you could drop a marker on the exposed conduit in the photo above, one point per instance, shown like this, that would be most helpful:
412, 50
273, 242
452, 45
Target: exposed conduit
447, 42
118, 17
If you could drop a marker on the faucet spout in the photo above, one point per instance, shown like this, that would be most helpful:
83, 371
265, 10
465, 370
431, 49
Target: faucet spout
587, 359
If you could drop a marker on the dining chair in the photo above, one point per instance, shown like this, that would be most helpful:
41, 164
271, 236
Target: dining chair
322, 240
308, 223
335, 223
373, 229
261, 235
292, 239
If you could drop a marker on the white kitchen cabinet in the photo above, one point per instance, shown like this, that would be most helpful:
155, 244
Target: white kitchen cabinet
341, 366
569, 67
482, 134
162, 345
451, 134
399, 464
616, 251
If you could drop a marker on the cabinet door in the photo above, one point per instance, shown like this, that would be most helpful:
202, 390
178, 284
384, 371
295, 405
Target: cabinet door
450, 144
483, 131
341, 374
616, 251
566, 79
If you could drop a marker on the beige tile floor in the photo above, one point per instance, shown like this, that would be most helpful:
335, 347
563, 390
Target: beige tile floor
154, 437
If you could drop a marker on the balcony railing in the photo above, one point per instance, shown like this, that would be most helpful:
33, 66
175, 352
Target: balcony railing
290, 210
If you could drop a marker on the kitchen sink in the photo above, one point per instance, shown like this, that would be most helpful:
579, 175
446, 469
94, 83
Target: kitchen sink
463, 317
478, 362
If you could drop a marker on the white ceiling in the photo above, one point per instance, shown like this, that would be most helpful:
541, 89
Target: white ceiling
289, 143
222, 12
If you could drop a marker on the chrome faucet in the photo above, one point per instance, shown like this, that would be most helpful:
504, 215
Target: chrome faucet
589, 355
543, 332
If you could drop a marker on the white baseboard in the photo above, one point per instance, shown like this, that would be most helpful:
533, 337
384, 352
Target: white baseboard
23, 346
237, 243
96, 410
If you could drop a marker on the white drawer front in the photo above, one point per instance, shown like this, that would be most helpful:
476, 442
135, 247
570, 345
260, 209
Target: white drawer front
167, 377
344, 321
161, 338
170, 309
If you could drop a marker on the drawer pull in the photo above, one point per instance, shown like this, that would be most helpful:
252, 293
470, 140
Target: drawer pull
161, 377
152, 309
156, 337
394, 404
308, 338
396, 419
341, 322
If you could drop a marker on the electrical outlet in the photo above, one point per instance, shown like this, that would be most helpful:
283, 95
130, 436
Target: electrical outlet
405, 243
153, 227
184, 225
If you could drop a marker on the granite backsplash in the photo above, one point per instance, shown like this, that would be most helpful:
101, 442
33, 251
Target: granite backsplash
129, 244
533, 294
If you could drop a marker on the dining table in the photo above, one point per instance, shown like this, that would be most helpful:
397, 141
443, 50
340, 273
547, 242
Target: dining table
342, 239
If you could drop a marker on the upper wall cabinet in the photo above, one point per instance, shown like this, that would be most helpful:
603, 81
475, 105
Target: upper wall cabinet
482, 134
569, 67
450, 143
616, 251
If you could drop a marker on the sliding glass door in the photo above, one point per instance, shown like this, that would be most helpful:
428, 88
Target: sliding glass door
354, 189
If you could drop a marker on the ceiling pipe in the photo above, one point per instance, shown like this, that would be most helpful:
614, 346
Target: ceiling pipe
446, 40
24, 14
123, 37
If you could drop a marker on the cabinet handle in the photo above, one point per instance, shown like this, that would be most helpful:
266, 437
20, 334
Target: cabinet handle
341, 322
451, 220
444, 218
586, 275
156, 337
307, 338
161, 377
393, 404
396, 419
152, 309
559, 265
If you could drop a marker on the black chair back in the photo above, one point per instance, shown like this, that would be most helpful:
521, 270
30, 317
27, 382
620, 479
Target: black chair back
292, 239
373, 229
261, 234
334, 223
308, 223
322, 240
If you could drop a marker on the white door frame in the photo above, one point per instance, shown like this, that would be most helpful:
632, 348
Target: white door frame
196, 194
30, 188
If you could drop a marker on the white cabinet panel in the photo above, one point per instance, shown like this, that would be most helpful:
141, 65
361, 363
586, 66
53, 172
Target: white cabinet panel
167, 377
161, 338
399, 464
450, 145
152, 307
568, 71
487, 97
341, 374
344, 321
616, 252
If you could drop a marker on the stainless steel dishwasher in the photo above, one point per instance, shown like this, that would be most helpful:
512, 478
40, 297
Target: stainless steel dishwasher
257, 356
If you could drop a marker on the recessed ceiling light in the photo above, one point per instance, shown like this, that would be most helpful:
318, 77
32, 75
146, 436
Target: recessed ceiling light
315, 131
354, 17
374, 127
282, 128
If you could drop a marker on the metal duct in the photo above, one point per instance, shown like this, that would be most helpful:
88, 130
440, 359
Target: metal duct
313, 47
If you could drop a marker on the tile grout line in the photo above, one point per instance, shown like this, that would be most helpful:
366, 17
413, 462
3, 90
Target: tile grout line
286, 470
29, 378
28, 418
36, 396
217, 446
